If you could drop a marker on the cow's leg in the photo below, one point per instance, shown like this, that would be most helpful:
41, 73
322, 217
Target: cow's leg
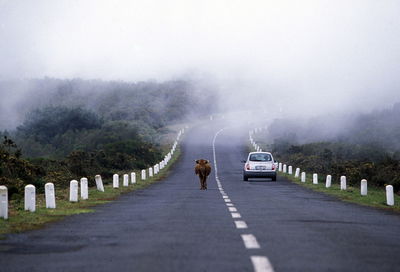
203, 187
205, 182
201, 182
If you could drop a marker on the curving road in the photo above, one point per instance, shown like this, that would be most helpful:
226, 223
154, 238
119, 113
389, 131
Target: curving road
233, 226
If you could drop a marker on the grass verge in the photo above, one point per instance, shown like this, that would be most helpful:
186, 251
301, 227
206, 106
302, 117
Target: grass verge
20, 220
376, 196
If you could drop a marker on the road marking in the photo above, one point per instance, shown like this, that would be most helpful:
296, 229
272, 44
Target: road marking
250, 241
261, 264
236, 215
241, 224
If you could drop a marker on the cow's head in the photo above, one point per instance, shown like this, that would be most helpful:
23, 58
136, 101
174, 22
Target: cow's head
202, 161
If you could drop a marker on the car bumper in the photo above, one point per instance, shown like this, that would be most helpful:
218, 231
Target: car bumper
259, 174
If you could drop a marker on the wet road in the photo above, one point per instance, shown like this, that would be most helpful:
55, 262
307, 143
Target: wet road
233, 226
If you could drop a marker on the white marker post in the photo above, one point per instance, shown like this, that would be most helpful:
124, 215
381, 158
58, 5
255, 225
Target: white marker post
315, 178
297, 173
143, 175
73, 191
50, 195
99, 183
290, 170
125, 182
303, 176
30, 198
150, 172
169, 156
84, 189
3, 202
133, 177
364, 187
115, 181
280, 167
328, 182
284, 168
389, 195
343, 185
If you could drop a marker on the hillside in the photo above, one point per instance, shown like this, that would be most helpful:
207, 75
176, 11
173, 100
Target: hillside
75, 128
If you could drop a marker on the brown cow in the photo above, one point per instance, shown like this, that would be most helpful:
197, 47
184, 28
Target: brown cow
203, 169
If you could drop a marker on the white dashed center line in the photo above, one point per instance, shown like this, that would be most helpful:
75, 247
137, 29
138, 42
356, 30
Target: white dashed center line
261, 264
236, 215
241, 225
250, 241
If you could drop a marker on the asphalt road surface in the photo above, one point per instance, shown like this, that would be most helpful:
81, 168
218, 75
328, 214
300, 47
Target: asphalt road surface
258, 225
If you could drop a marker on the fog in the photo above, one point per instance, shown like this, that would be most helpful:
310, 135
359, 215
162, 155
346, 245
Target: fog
292, 58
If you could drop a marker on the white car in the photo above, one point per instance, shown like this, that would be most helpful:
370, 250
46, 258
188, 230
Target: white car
259, 165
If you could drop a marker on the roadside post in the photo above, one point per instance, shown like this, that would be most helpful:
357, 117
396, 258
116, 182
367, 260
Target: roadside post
343, 185
3, 202
364, 187
84, 189
328, 182
315, 178
303, 176
50, 195
115, 181
125, 180
99, 183
389, 195
73, 191
30, 198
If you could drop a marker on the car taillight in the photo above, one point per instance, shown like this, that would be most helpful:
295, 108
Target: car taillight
247, 166
273, 166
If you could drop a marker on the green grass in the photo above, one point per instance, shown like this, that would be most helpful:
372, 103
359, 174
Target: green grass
376, 196
20, 220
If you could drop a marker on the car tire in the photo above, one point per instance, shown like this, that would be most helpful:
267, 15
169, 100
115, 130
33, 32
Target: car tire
245, 178
274, 178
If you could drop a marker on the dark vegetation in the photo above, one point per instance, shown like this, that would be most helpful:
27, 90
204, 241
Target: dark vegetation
368, 147
76, 128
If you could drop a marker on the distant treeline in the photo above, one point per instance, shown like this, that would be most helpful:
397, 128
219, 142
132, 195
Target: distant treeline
369, 147
151, 103
78, 128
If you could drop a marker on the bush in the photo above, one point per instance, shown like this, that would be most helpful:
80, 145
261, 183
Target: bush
16, 172
356, 162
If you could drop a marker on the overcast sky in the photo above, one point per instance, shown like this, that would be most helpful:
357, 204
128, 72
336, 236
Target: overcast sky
338, 54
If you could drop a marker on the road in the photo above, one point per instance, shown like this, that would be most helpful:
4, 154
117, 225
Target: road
174, 226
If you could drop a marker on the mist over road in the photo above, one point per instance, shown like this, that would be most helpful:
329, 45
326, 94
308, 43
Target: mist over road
174, 226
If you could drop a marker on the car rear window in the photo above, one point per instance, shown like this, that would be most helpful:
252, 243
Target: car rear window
260, 157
